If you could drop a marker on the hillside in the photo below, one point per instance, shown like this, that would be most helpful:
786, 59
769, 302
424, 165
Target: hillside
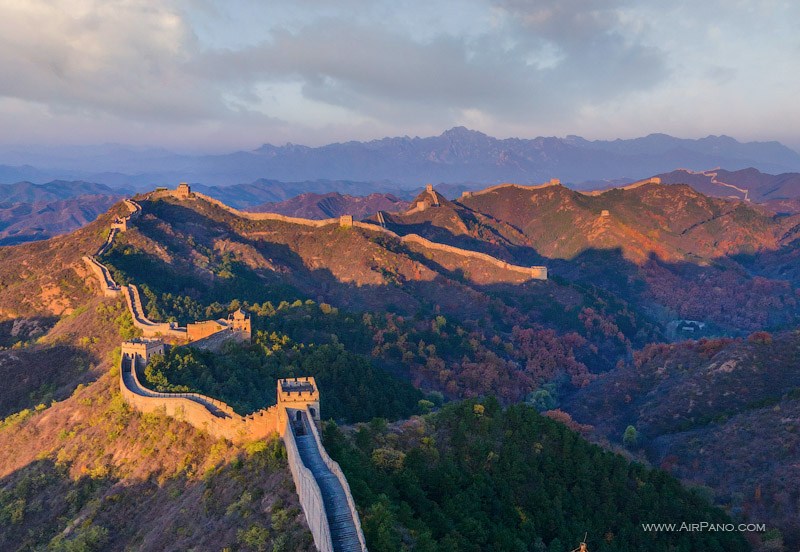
333, 204
192, 259
101, 477
747, 184
669, 250
31, 212
719, 413
476, 477
72, 474
28, 192
24, 222
676, 223
393, 326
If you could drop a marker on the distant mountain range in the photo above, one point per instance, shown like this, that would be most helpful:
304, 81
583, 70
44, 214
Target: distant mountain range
458, 155
30, 212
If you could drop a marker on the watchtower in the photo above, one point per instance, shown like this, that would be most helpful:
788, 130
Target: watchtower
140, 349
184, 191
432, 194
239, 321
296, 395
120, 224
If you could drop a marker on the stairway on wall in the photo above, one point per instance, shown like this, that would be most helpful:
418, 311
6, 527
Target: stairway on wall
343, 529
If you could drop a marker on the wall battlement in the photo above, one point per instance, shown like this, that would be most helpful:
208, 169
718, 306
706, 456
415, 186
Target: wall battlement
107, 283
297, 409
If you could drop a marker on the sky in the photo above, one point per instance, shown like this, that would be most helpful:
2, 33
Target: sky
214, 76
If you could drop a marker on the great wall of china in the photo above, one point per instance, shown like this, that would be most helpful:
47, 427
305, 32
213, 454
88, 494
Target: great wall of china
532, 272
321, 486
320, 483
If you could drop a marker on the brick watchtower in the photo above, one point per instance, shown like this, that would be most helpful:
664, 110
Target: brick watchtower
184, 191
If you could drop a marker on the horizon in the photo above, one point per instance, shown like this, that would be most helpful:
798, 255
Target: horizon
212, 76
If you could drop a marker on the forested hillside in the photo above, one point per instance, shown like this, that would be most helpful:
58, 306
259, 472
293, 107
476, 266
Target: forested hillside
477, 477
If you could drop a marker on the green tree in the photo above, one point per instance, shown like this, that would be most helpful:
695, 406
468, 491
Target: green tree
631, 437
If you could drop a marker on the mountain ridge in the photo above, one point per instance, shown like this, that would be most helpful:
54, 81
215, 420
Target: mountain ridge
456, 155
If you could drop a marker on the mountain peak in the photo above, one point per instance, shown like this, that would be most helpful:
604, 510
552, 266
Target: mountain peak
463, 132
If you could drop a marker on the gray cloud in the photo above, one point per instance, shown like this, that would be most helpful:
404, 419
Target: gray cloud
172, 66
374, 70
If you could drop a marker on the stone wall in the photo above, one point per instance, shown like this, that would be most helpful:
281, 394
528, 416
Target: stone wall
201, 330
148, 327
552, 182
200, 411
337, 471
112, 233
308, 492
267, 216
107, 283
534, 272
219, 420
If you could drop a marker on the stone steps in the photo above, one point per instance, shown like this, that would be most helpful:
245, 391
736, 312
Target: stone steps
340, 520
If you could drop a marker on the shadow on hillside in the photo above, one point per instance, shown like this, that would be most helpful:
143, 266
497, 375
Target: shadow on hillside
519, 254
41, 374
722, 293
731, 293
38, 501
20, 330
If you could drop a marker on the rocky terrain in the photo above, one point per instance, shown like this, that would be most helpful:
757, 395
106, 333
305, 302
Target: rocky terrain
586, 346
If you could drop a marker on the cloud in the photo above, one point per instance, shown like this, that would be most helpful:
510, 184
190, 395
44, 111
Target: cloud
142, 59
530, 64
96, 56
317, 71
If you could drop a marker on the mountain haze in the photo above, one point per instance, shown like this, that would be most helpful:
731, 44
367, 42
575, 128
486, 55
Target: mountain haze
457, 155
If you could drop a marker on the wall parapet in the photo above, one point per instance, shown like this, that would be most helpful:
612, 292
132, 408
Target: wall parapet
490, 189
140, 320
218, 419
107, 283
309, 493
268, 216
534, 272
337, 471
206, 413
